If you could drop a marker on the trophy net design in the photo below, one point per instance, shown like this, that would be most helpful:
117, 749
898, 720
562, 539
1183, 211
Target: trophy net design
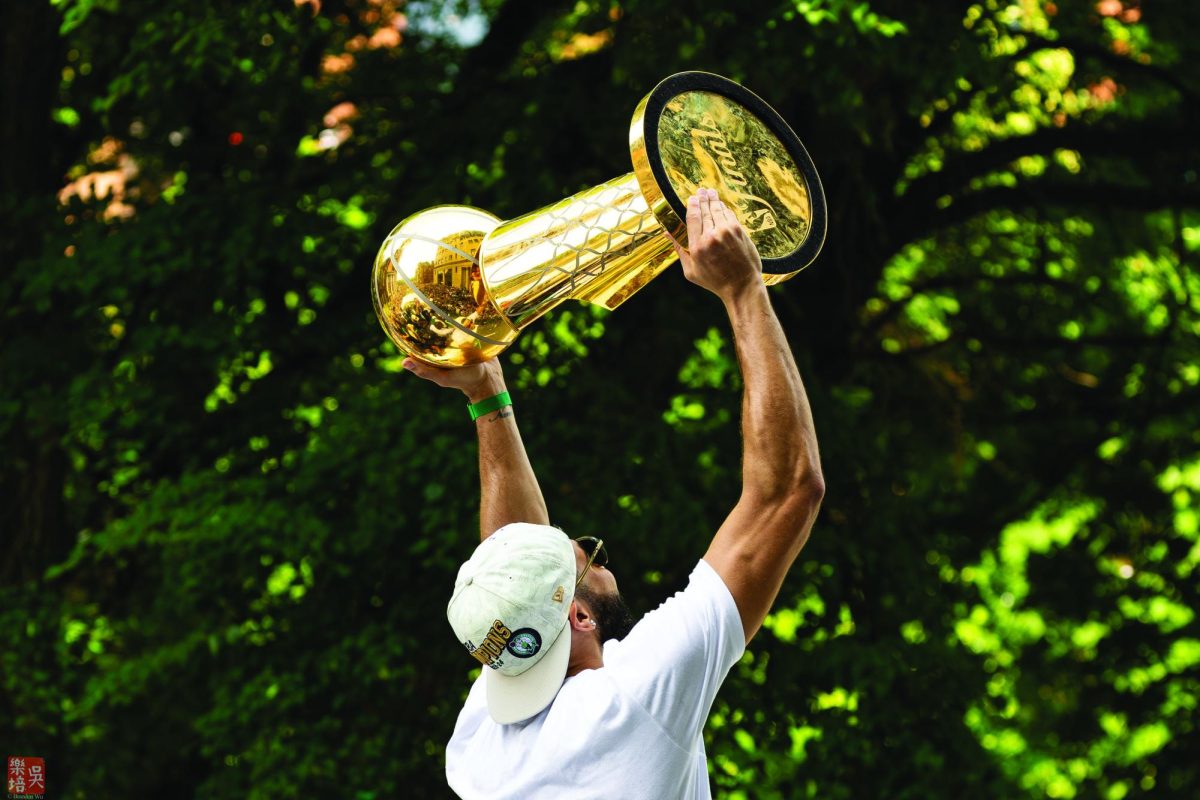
453, 285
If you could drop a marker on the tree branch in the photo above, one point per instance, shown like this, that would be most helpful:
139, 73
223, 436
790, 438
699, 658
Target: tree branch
1107, 57
872, 326
1016, 344
1046, 193
923, 193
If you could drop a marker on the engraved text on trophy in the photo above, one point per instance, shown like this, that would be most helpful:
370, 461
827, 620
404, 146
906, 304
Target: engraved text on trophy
757, 214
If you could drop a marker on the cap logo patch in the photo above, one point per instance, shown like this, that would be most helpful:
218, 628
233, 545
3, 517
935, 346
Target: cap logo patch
492, 647
558, 594
525, 643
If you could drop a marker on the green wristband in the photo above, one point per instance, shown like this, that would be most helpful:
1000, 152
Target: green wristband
488, 405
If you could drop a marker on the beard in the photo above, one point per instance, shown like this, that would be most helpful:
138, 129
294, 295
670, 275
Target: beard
612, 616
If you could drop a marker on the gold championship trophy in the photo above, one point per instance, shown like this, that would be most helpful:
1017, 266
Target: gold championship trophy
454, 285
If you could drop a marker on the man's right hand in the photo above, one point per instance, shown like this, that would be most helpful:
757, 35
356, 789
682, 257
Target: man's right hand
476, 381
720, 255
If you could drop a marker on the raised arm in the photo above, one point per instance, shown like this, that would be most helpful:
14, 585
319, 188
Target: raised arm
509, 490
782, 484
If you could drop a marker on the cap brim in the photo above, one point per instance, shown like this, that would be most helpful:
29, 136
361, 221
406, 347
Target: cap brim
514, 699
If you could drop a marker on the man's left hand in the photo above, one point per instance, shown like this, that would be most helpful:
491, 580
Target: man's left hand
477, 381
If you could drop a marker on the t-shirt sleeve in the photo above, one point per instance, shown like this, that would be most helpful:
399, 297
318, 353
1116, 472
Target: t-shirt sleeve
675, 659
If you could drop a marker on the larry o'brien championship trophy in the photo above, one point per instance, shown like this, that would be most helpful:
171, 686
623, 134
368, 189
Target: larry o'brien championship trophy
454, 285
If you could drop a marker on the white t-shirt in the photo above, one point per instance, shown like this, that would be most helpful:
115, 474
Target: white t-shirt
627, 731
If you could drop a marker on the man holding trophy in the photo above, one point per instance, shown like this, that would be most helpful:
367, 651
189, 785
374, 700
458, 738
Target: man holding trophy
575, 700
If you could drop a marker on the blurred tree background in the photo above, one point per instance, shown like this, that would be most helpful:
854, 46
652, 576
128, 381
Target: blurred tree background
231, 522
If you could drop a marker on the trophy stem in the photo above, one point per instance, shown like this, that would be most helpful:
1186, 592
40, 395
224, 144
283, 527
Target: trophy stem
599, 246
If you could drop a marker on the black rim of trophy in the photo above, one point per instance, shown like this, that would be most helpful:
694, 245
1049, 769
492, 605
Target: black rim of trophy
683, 82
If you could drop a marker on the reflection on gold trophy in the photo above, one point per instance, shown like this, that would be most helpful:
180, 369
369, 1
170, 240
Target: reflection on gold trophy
454, 285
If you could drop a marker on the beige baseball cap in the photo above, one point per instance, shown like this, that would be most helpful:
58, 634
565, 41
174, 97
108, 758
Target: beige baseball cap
509, 609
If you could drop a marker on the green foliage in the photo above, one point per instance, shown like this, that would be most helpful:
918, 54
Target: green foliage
235, 520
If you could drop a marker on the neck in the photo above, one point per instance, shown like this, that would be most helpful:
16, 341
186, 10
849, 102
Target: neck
586, 653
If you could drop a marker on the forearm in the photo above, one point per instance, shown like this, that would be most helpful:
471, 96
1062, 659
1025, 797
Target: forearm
779, 440
509, 490
782, 485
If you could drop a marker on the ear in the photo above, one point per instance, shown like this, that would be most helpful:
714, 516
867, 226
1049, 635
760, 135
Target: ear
580, 618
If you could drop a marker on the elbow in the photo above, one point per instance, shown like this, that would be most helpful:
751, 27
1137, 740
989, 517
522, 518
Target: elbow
800, 491
790, 508
806, 504
813, 483
809, 490
806, 483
